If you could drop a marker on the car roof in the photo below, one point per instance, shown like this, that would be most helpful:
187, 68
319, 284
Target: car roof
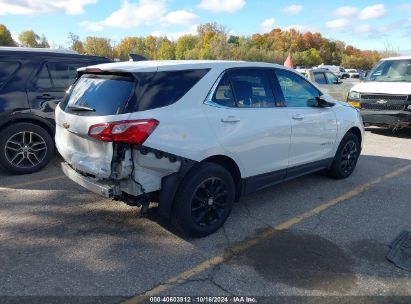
397, 58
173, 65
37, 50
46, 52
316, 70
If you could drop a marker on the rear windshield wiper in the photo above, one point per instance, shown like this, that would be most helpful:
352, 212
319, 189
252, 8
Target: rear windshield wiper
81, 108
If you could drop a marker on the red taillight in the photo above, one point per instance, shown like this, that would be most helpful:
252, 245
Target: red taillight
127, 131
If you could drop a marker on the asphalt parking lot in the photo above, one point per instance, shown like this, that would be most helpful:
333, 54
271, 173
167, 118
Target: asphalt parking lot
313, 236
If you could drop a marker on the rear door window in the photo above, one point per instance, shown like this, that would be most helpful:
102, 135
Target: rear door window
252, 88
245, 88
223, 95
7, 69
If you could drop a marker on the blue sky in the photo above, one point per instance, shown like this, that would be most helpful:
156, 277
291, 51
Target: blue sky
362, 23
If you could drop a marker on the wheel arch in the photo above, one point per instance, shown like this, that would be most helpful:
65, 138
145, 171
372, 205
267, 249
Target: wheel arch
231, 166
50, 128
357, 132
171, 183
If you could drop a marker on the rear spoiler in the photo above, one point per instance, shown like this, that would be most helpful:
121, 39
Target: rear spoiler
136, 57
97, 71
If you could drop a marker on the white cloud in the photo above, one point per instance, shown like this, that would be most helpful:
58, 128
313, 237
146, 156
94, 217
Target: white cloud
144, 12
293, 9
365, 28
180, 17
92, 26
267, 25
338, 24
175, 35
346, 11
373, 11
228, 6
30, 7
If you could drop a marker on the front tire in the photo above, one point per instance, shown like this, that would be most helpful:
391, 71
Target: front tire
204, 200
346, 158
25, 148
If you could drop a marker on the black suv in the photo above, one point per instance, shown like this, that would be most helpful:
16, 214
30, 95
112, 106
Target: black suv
32, 82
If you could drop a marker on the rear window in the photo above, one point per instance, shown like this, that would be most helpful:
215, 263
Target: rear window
101, 95
7, 69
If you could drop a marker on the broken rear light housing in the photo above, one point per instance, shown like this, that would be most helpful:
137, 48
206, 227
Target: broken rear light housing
128, 131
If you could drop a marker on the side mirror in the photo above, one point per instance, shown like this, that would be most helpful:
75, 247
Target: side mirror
337, 81
322, 103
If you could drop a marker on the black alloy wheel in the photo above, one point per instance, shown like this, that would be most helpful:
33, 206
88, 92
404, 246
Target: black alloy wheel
203, 200
25, 148
209, 202
346, 158
349, 157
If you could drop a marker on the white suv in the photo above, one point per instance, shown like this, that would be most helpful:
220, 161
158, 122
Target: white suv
196, 135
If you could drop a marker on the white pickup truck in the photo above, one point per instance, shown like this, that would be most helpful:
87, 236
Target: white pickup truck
384, 99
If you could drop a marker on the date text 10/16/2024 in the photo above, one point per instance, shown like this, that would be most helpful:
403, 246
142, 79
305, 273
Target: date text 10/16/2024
198, 299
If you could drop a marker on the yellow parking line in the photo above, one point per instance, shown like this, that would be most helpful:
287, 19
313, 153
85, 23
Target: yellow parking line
37, 181
244, 245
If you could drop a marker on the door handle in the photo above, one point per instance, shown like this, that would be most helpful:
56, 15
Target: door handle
46, 97
298, 117
230, 119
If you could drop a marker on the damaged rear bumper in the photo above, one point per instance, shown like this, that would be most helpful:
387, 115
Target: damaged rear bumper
87, 182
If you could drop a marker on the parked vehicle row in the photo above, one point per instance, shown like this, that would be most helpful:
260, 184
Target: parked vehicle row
328, 82
337, 70
32, 82
196, 135
353, 73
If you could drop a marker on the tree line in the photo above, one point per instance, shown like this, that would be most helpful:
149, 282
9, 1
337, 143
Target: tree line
212, 41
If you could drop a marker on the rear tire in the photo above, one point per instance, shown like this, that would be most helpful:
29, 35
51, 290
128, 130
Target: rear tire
346, 158
25, 148
204, 200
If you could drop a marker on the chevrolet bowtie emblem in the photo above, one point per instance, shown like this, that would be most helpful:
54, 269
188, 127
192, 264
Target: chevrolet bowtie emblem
381, 101
66, 125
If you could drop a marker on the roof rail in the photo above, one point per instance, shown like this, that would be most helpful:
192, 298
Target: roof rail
42, 50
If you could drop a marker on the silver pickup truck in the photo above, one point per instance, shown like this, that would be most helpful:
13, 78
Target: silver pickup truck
328, 82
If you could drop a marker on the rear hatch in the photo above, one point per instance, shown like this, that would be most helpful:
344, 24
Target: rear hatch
94, 99
106, 108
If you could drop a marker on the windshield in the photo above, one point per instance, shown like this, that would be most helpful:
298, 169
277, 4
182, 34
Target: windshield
392, 71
